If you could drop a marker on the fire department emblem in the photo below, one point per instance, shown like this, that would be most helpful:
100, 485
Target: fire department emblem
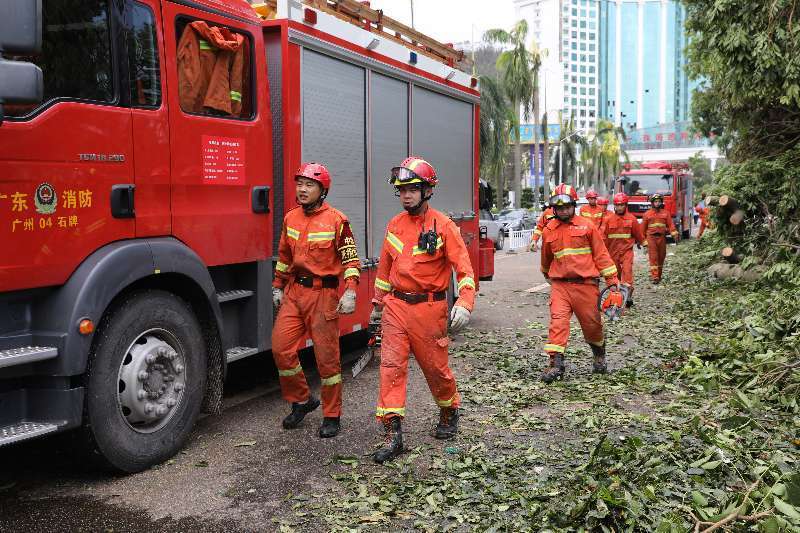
45, 199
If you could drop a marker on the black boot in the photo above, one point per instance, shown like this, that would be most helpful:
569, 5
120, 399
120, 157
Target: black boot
599, 359
629, 303
448, 423
299, 412
555, 370
329, 428
393, 440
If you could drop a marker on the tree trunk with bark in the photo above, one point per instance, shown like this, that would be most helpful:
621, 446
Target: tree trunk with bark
517, 177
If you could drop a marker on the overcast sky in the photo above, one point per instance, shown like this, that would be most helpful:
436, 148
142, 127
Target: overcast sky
450, 20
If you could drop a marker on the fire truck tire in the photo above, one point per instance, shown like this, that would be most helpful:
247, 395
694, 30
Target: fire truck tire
144, 382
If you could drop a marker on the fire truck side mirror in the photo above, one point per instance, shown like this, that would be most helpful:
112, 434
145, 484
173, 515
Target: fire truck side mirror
20, 34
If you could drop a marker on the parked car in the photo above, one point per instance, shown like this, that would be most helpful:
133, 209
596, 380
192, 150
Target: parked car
516, 220
494, 228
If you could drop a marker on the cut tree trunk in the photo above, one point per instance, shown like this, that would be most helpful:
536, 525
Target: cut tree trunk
737, 217
712, 200
728, 271
730, 255
727, 202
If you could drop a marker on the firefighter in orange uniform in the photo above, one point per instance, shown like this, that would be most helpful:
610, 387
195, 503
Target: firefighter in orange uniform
546, 216
421, 249
655, 224
603, 203
316, 248
703, 210
620, 231
573, 258
592, 211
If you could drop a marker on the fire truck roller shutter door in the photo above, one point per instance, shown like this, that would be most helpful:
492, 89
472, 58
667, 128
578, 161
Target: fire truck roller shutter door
334, 133
442, 133
272, 43
389, 122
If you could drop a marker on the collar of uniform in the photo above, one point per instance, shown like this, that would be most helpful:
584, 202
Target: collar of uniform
320, 209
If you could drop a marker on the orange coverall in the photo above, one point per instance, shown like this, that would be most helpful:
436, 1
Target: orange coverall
211, 69
704, 213
420, 328
655, 224
546, 216
316, 244
620, 233
573, 257
595, 214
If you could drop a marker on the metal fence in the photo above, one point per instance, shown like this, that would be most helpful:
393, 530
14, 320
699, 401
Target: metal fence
519, 239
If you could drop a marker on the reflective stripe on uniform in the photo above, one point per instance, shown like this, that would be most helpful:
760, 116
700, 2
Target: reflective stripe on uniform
554, 348
282, 267
331, 381
572, 251
657, 225
293, 233
236, 96
382, 285
608, 271
204, 45
619, 236
537, 231
446, 403
396, 243
352, 272
291, 372
597, 343
466, 282
383, 411
318, 236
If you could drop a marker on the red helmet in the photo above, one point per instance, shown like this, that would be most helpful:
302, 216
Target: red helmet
413, 170
564, 194
602, 200
591, 193
656, 196
316, 172
620, 198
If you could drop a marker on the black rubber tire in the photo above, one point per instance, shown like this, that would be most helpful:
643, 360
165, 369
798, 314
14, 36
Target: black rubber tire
112, 443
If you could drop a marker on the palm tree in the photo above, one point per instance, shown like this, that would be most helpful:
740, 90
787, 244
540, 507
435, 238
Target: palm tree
497, 122
515, 67
566, 155
546, 156
537, 55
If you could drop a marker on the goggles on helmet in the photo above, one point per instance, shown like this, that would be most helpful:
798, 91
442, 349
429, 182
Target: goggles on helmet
561, 199
404, 176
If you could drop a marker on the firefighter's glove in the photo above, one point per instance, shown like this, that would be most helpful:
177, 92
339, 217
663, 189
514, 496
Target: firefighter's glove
347, 303
277, 297
459, 318
376, 314
534, 245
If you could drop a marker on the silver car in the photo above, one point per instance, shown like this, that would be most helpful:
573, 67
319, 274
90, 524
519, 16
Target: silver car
494, 228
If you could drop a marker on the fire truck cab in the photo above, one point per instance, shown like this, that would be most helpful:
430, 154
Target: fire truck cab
672, 180
142, 194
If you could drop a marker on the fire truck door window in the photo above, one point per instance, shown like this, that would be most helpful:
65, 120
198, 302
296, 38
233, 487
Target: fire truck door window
442, 133
76, 54
140, 34
214, 70
647, 184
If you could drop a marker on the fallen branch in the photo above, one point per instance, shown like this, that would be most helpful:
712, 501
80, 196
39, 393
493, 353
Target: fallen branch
733, 516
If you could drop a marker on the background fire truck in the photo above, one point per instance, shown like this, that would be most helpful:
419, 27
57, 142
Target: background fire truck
139, 224
673, 180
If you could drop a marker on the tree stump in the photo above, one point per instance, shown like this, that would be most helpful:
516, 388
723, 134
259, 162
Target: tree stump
730, 256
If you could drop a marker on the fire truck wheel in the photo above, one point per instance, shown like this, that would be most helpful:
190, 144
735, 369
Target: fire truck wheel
145, 381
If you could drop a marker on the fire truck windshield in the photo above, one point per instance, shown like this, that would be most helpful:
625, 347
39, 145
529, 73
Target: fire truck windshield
647, 184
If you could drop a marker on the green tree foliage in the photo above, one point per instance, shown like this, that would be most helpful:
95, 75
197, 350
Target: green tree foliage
527, 200
497, 123
703, 177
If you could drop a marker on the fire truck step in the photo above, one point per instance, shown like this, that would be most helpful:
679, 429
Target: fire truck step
228, 296
26, 354
24, 430
239, 352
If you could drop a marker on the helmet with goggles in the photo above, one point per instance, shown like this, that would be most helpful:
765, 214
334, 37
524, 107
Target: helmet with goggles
563, 194
413, 170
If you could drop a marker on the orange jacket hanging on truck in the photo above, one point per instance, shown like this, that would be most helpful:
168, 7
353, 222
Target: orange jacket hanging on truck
211, 69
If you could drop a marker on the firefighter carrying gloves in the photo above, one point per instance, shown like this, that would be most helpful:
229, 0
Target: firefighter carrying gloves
421, 249
546, 216
316, 248
620, 231
656, 222
592, 210
573, 258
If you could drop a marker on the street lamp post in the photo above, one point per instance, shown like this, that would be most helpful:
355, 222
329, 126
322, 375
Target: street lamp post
561, 154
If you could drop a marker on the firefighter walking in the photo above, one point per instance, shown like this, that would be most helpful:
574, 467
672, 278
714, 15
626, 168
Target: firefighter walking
421, 249
592, 210
656, 222
316, 248
704, 212
620, 231
573, 258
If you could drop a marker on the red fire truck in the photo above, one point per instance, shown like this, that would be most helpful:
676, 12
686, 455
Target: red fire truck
139, 215
673, 180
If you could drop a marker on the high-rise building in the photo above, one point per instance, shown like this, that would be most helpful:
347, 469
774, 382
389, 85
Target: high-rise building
620, 60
